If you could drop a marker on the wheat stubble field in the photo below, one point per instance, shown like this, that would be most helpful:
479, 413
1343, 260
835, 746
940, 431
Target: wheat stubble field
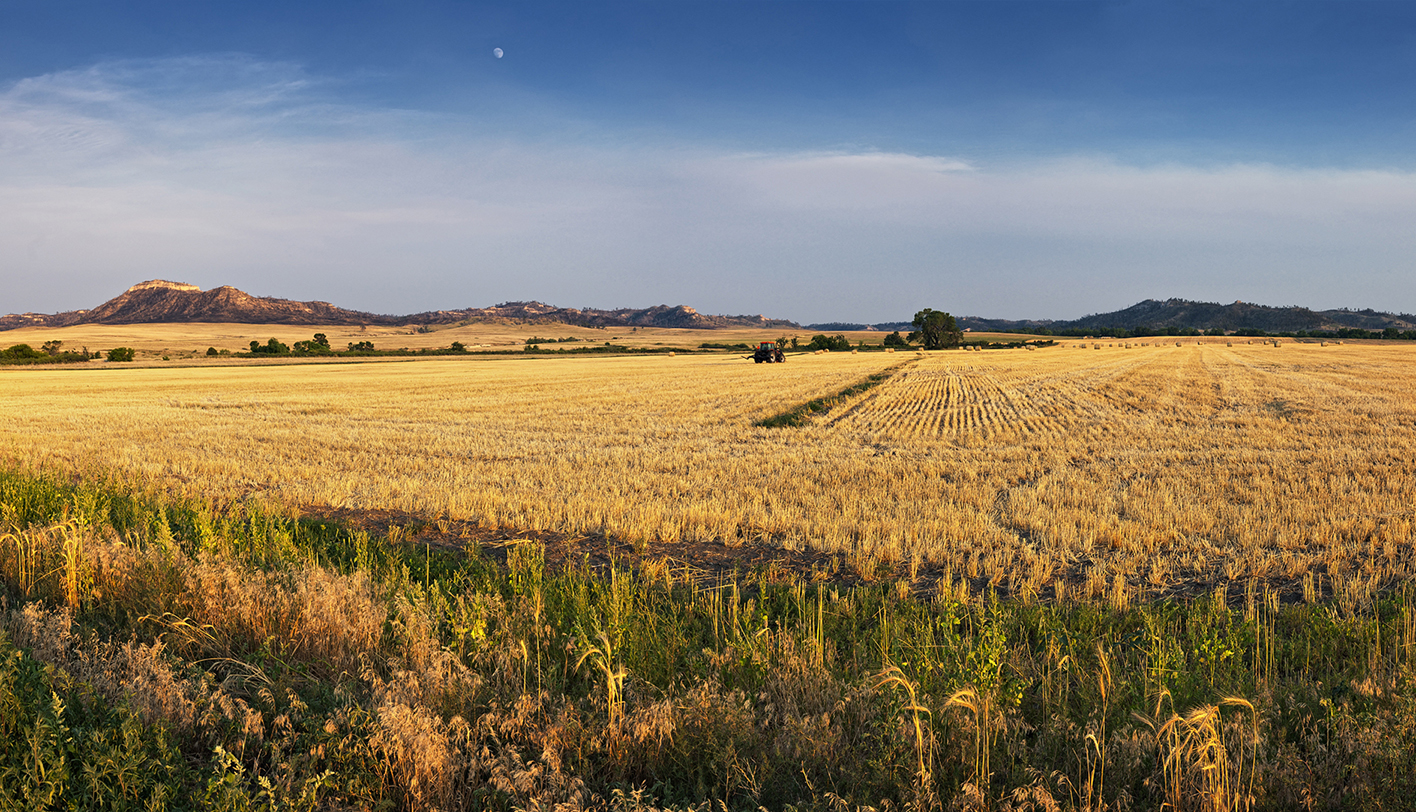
1083, 577
1101, 473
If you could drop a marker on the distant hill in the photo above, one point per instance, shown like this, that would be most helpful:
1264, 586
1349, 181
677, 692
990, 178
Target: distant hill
964, 322
982, 325
1182, 313
159, 301
1178, 314
536, 312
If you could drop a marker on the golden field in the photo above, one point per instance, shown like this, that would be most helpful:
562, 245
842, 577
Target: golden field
1099, 471
188, 343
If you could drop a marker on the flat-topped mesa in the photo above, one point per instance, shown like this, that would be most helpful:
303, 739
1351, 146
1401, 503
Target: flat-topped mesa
163, 284
160, 301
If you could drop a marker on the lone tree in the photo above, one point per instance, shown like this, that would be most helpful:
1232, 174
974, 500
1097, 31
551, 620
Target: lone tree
936, 330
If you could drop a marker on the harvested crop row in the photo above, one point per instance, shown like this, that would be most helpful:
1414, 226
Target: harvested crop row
1157, 465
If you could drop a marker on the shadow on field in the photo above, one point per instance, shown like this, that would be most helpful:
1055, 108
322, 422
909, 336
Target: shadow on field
761, 563
697, 562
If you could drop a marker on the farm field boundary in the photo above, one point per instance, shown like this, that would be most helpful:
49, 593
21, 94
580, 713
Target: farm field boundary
712, 562
797, 415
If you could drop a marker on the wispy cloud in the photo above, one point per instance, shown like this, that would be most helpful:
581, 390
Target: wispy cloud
224, 169
834, 181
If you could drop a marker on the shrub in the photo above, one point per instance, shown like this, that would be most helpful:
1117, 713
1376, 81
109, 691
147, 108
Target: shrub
272, 347
121, 354
825, 342
21, 352
319, 345
212, 351
25, 354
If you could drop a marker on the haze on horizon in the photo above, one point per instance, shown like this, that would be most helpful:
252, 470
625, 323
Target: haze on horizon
809, 161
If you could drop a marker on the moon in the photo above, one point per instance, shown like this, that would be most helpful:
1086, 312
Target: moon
497, 52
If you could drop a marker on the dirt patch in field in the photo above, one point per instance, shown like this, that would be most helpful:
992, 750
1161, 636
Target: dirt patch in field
706, 563
700, 562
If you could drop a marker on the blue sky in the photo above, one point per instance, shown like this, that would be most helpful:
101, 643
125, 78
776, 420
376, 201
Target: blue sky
814, 161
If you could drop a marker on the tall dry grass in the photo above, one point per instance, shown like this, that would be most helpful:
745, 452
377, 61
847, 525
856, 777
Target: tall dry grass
359, 683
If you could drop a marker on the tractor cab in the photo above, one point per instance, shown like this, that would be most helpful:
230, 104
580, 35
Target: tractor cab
767, 352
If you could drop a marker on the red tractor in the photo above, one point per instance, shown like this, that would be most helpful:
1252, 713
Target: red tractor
768, 353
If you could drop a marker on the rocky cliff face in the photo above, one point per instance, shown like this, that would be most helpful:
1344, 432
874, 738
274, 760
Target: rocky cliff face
159, 301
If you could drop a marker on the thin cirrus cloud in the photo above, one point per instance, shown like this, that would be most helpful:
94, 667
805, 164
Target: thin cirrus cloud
227, 170
1077, 197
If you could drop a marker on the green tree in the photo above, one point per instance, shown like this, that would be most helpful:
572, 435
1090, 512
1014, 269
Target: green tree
52, 347
936, 330
896, 340
836, 343
319, 345
120, 354
212, 351
272, 347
